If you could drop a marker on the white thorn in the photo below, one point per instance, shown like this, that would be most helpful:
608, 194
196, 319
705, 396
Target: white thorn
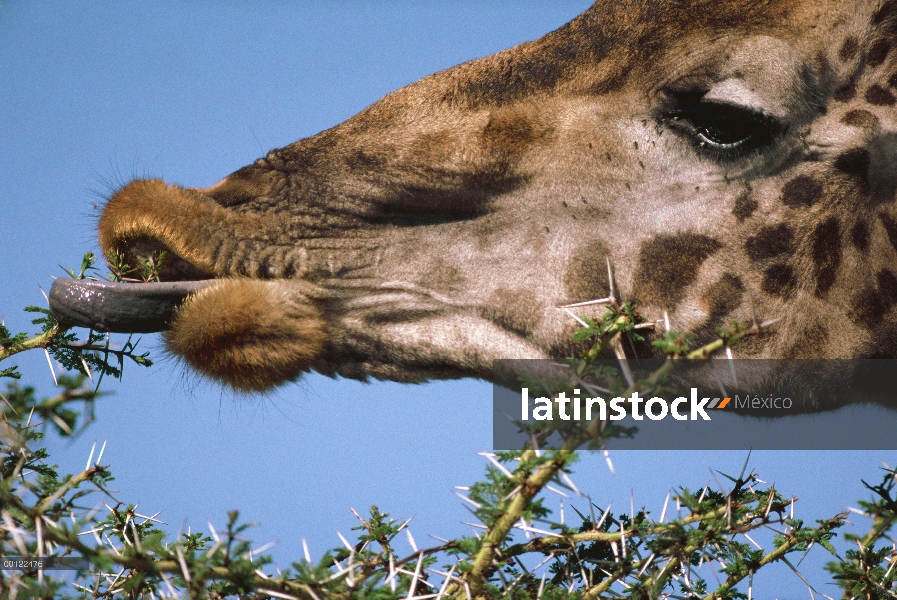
647, 562
607, 300
344, 541
560, 493
306, 552
411, 541
731, 356
751, 540
100, 456
578, 320
491, 458
466, 499
610, 279
52, 370
604, 516
416, 577
617, 346
623, 539
262, 549
90, 458
770, 323
566, 479
87, 369
663, 513
61, 424
214, 533
183, 563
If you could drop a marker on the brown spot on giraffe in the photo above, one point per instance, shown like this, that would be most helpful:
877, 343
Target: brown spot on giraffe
859, 236
878, 52
770, 242
890, 227
803, 190
744, 207
887, 285
845, 93
886, 16
586, 277
724, 296
510, 133
854, 162
880, 96
826, 254
872, 303
668, 265
779, 280
860, 118
849, 49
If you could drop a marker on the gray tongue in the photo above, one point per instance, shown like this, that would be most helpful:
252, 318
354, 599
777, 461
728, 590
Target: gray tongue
119, 307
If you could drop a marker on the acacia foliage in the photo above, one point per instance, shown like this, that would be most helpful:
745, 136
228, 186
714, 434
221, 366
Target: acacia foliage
520, 548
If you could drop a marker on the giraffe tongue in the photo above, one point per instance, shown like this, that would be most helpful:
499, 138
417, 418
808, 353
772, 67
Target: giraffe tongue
119, 307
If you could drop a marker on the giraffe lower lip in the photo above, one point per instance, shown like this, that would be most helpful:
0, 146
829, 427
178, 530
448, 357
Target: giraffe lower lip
119, 307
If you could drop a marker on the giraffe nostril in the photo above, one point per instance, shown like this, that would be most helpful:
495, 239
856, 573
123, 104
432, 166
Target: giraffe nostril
854, 162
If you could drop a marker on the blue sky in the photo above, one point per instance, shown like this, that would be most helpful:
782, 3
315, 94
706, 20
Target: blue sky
94, 94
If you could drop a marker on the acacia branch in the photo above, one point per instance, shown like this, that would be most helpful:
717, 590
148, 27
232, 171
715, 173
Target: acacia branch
790, 542
41, 340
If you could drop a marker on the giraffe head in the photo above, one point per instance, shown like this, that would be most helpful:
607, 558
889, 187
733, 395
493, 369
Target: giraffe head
718, 153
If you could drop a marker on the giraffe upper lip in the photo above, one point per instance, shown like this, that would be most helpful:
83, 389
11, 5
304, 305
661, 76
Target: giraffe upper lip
119, 307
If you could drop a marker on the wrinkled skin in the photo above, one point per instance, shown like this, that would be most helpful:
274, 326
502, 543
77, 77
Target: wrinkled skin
713, 150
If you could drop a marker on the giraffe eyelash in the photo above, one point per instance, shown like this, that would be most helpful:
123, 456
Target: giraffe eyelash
719, 130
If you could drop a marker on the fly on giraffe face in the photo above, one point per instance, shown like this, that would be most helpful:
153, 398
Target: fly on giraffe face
726, 157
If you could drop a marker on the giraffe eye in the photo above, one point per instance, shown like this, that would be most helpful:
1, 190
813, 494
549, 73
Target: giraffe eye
726, 127
721, 129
